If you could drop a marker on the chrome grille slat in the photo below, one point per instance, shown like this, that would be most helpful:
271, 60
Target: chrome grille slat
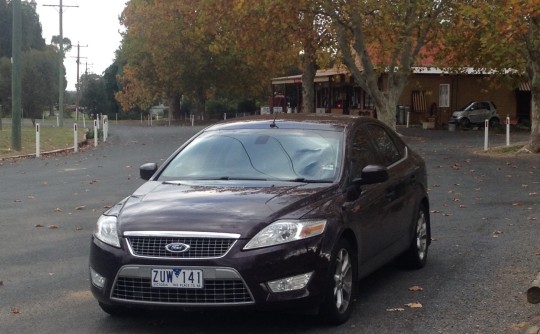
220, 291
200, 248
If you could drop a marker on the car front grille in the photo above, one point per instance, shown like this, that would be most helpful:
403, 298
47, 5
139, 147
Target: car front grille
200, 248
215, 292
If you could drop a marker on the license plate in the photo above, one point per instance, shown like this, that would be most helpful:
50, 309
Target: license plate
177, 278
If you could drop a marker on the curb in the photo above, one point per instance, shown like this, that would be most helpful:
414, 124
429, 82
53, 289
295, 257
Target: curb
33, 155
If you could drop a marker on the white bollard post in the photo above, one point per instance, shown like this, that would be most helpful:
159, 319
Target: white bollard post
95, 133
75, 139
408, 118
192, 120
83, 121
486, 135
57, 121
105, 128
37, 141
225, 116
507, 130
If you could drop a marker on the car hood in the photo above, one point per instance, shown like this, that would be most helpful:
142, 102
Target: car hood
217, 206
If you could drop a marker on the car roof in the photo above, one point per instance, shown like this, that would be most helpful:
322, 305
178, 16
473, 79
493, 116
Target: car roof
292, 121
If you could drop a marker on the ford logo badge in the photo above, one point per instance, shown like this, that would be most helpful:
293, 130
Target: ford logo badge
177, 247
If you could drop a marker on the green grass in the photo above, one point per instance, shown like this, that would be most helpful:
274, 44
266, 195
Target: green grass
52, 138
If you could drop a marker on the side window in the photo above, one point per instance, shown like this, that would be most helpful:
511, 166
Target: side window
385, 145
362, 152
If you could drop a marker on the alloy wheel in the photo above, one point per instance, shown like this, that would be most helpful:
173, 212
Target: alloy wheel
421, 235
343, 281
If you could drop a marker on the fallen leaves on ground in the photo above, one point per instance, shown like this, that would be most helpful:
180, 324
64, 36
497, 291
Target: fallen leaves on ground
38, 225
80, 207
53, 226
15, 310
415, 288
396, 309
58, 210
414, 305
497, 233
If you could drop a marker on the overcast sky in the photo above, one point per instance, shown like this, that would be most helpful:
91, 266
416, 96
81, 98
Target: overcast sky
93, 24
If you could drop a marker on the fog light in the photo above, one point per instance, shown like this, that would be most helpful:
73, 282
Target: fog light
290, 283
97, 279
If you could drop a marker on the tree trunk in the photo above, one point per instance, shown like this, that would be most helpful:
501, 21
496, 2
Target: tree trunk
533, 293
174, 106
200, 102
308, 86
534, 140
533, 73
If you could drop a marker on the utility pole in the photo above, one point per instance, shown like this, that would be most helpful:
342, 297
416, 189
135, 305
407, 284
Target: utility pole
78, 84
16, 77
61, 65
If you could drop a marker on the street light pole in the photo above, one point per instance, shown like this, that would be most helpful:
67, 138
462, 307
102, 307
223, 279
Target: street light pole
16, 77
61, 66
61, 72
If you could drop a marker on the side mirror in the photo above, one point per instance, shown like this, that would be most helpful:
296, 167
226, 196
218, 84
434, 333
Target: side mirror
372, 174
147, 170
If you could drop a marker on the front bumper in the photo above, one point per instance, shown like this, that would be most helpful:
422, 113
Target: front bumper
239, 279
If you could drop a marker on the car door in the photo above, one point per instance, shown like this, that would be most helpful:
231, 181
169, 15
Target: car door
476, 114
398, 199
365, 213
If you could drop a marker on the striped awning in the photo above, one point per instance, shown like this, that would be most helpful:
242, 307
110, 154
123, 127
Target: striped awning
524, 86
418, 101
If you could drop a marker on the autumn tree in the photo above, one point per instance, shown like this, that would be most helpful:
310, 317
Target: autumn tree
168, 52
502, 36
384, 39
275, 35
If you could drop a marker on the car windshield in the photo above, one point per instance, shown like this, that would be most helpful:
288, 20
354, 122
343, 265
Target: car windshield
259, 154
468, 106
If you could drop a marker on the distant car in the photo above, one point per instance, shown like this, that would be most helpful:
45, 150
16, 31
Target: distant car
476, 113
263, 212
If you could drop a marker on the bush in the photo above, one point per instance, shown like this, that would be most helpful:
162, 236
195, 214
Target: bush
90, 134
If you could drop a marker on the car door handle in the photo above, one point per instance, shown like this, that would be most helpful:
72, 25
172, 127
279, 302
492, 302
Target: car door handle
391, 195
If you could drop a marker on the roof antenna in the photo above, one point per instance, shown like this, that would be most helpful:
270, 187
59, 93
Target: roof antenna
273, 124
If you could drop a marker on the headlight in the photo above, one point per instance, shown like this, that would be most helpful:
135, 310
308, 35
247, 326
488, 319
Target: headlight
283, 231
106, 230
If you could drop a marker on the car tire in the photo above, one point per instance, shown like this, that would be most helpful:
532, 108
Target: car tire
494, 122
341, 286
415, 257
464, 123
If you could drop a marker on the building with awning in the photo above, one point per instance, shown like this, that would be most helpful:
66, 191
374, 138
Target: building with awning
432, 93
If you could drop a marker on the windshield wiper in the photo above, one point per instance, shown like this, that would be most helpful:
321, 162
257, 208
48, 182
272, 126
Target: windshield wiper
229, 178
304, 180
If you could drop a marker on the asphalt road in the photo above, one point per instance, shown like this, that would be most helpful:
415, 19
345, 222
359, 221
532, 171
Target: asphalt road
486, 249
